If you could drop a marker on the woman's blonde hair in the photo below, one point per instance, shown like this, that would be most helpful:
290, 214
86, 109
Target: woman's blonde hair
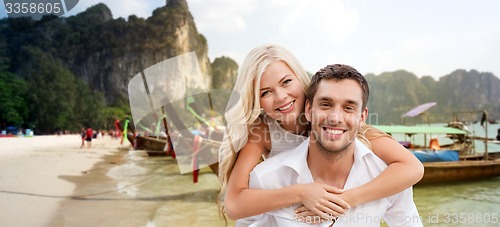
243, 108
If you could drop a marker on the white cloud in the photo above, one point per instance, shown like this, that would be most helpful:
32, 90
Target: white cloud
220, 16
129, 7
324, 21
122, 8
408, 54
303, 27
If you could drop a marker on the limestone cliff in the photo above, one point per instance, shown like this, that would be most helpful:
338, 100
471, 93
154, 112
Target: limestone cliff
105, 52
127, 47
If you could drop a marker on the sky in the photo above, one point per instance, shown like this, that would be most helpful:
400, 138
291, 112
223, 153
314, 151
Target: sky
424, 37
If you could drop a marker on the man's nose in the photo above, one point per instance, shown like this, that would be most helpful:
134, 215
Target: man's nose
335, 116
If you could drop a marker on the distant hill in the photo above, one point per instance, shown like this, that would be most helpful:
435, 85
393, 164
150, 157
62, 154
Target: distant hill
394, 93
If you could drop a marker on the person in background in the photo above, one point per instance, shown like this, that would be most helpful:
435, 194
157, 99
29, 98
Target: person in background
83, 134
88, 137
118, 128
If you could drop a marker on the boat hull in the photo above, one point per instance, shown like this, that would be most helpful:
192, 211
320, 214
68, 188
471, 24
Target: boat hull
157, 147
152, 145
436, 172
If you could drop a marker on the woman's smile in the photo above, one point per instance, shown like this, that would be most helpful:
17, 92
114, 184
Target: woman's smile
286, 108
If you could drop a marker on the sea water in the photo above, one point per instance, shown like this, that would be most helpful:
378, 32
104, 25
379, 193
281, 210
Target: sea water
472, 203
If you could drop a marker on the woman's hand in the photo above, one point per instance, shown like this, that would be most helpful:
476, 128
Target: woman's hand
321, 200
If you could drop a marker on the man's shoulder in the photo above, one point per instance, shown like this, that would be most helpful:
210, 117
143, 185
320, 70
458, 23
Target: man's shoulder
365, 154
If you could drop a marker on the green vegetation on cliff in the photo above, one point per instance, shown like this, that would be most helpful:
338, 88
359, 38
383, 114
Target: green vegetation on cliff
74, 71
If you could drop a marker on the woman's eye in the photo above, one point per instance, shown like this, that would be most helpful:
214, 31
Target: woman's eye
265, 93
287, 81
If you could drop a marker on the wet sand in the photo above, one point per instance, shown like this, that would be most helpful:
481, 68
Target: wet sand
50, 181
34, 172
130, 189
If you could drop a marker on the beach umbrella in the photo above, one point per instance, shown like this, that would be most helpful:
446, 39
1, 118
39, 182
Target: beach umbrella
419, 109
158, 95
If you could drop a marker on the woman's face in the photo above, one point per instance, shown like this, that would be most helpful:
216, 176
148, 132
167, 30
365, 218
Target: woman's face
281, 94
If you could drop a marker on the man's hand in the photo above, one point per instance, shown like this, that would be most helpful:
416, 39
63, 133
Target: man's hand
321, 200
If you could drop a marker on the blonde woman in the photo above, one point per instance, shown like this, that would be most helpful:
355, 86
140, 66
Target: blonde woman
267, 117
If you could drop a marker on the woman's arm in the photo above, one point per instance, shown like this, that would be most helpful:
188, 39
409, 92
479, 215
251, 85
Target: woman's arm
240, 201
402, 165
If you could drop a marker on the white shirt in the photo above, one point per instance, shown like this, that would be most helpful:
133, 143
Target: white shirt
290, 167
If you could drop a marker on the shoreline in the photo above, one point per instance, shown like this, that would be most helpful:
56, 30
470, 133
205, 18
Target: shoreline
108, 185
38, 173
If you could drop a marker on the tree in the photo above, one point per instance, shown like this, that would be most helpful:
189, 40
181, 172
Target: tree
88, 108
51, 95
13, 108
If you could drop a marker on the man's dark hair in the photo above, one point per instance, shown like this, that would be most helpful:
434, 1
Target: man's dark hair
338, 72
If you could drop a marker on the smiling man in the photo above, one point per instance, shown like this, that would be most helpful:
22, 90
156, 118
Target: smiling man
336, 108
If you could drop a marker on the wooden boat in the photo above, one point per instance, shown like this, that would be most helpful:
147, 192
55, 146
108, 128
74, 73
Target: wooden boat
153, 145
468, 166
436, 172
157, 146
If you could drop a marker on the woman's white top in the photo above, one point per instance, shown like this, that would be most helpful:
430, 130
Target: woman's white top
281, 139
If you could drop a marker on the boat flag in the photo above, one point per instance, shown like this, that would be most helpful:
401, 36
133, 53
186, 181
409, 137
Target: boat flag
483, 118
162, 90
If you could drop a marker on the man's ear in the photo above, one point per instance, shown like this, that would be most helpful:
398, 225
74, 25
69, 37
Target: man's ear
308, 111
364, 115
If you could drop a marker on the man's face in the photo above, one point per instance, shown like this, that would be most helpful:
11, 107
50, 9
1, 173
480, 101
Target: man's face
336, 114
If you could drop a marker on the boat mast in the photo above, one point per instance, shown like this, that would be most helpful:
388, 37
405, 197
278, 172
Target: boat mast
485, 120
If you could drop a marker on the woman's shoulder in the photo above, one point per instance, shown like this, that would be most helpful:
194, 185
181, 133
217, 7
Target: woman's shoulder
260, 124
259, 133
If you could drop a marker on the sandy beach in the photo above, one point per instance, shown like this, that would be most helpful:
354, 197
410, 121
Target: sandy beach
34, 174
50, 181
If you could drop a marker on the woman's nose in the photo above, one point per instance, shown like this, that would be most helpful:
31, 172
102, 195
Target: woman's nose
281, 95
